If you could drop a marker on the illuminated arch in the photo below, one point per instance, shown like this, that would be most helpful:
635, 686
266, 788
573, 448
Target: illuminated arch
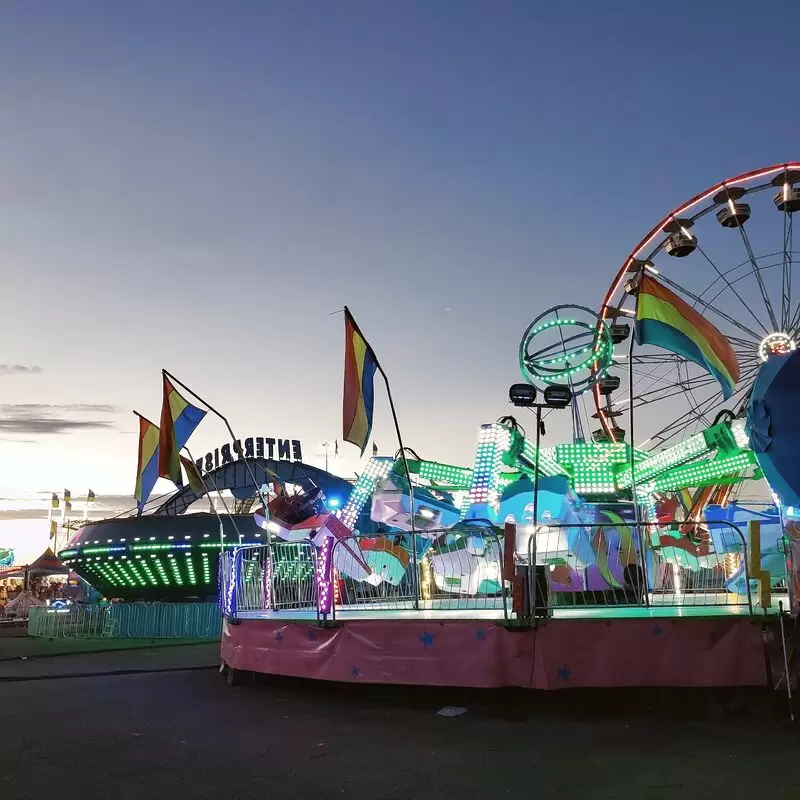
236, 478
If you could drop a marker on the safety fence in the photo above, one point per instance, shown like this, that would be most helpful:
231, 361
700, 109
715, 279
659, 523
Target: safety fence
439, 570
293, 568
251, 572
553, 568
127, 620
671, 564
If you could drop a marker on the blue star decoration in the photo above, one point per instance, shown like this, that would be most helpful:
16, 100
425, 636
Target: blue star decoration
312, 634
480, 634
426, 639
564, 673
279, 636
658, 630
356, 672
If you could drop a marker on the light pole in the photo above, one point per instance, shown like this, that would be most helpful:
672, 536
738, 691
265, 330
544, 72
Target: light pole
326, 446
523, 395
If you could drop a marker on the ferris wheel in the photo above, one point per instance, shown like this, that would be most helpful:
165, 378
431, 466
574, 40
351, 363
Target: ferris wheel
727, 253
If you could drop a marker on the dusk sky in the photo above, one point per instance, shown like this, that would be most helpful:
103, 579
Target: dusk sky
197, 186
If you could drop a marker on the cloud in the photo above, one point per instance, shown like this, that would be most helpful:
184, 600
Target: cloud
41, 418
18, 369
50, 408
51, 425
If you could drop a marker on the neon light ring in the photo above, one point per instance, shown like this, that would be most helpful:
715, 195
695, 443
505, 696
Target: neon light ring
728, 252
567, 345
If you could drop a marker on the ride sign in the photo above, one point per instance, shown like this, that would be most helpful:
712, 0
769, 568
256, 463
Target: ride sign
252, 447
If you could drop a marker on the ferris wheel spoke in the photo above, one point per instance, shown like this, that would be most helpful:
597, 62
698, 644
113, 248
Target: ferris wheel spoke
793, 326
736, 294
756, 337
746, 357
758, 276
653, 358
694, 415
699, 409
654, 378
693, 387
669, 386
743, 344
794, 323
664, 392
672, 377
697, 415
677, 428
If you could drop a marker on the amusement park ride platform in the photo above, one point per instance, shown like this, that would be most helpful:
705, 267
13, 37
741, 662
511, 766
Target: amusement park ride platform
714, 606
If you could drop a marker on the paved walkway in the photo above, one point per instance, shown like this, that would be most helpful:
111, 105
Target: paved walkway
190, 735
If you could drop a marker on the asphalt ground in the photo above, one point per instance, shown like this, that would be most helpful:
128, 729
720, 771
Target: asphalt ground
185, 733
15, 647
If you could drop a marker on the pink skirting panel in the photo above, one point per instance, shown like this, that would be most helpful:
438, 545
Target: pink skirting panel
555, 655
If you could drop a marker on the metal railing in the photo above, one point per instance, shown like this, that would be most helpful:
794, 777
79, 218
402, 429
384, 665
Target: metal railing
128, 620
587, 566
380, 580
79, 622
165, 621
226, 584
579, 565
652, 564
293, 585
251, 572
698, 564
454, 571
268, 578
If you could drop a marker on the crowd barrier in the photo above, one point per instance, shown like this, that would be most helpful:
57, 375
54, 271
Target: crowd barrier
128, 620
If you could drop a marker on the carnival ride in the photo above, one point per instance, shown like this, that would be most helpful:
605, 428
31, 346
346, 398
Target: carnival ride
686, 380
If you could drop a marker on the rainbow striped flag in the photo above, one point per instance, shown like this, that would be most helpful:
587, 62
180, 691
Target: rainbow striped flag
179, 418
665, 320
360, 365
147, 471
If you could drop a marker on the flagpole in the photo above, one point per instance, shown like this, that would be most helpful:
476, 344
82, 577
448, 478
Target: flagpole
216, 512
349, 316
643, 535
408, 478
67, 507
233, 437
50, 537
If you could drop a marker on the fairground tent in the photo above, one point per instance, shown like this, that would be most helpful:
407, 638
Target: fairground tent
48, 563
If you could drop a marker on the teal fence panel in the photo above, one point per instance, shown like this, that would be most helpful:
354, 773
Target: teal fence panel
129, 621
166, 620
